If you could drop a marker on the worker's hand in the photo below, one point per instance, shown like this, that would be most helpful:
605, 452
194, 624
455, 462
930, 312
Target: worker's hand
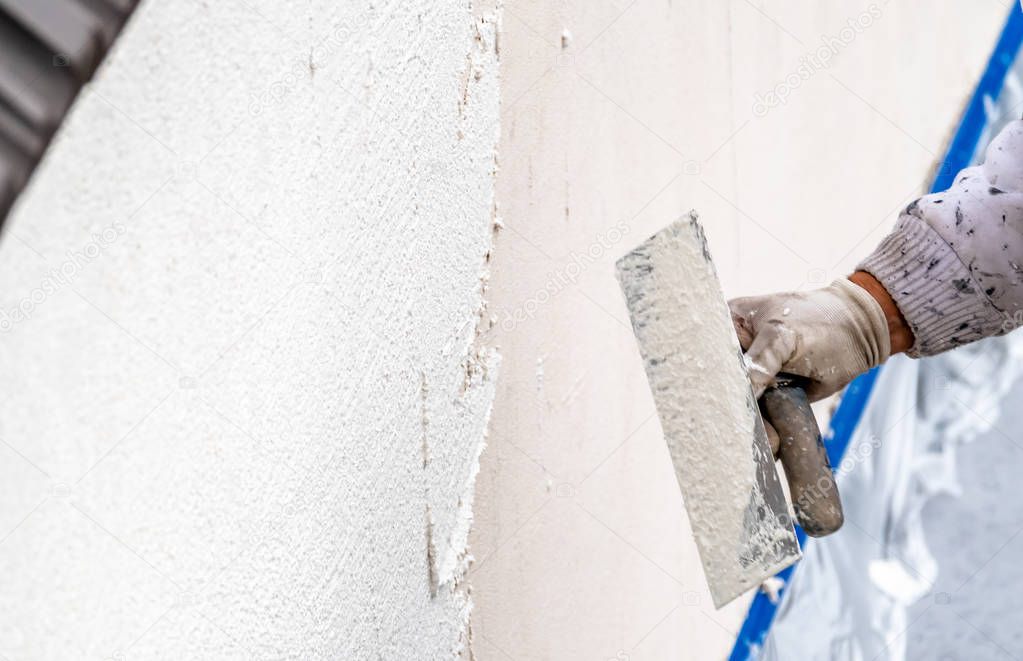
828, 335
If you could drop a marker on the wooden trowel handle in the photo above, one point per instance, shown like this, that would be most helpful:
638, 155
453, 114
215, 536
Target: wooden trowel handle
801, 451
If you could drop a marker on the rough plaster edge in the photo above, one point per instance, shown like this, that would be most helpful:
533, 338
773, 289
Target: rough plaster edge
489, 14
481, 367
454, 570
454, 564
480, 364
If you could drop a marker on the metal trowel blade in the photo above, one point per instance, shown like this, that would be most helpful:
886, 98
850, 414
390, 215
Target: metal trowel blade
710, 419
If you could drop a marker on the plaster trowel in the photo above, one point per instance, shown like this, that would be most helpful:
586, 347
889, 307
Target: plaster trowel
711, 422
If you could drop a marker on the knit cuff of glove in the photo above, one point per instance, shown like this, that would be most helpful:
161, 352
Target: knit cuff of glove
868, 320
932, 288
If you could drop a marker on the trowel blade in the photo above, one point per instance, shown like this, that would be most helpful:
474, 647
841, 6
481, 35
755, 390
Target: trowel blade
710, 419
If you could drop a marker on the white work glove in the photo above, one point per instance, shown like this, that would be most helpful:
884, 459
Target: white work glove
827, 335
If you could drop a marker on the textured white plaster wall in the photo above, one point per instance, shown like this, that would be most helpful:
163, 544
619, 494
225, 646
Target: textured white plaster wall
242, 397
617, 117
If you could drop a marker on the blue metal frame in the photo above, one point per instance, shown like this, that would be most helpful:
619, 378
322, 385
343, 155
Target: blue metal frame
960, 154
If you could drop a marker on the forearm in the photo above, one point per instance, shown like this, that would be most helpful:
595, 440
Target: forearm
900, 335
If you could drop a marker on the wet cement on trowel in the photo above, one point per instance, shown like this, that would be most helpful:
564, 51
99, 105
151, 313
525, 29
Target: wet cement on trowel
693, 361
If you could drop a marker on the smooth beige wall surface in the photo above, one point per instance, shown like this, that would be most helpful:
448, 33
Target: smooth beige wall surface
798, 136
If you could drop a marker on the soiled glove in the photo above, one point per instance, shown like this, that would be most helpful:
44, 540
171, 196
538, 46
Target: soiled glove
828, 335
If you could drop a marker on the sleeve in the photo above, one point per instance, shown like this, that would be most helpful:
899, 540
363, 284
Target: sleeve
953, 263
